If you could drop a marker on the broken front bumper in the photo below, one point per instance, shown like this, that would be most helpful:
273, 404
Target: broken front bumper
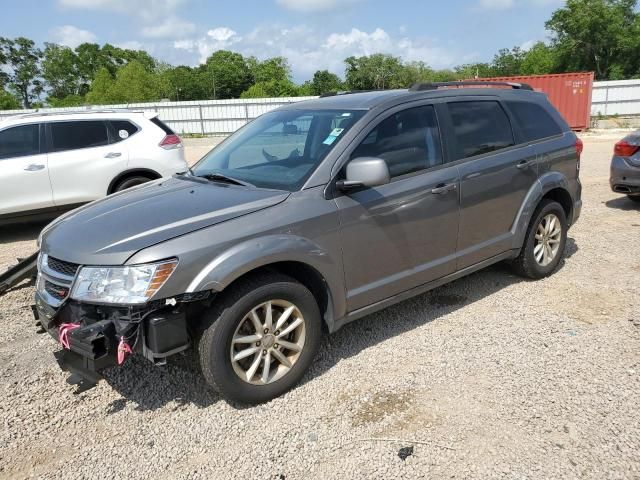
93, 345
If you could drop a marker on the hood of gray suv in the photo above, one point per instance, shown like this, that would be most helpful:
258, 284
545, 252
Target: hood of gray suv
109, 231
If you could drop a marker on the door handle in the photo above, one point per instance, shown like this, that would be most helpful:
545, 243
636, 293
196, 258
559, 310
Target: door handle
444, 188
113, 155
34, 167
525, 164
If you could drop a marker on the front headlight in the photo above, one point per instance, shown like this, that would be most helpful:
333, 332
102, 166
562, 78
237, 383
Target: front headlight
123, 285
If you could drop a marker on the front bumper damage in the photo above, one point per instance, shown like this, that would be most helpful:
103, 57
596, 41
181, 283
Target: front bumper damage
155, 331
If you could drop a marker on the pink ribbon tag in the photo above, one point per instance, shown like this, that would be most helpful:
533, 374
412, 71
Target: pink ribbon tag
123, 350
63, 333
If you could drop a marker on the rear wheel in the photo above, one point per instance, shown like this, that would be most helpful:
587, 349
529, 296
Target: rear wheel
131, 182
635, 198
261, 338
544, 243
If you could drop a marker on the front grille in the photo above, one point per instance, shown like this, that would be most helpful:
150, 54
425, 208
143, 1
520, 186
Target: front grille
56, 291
60, 266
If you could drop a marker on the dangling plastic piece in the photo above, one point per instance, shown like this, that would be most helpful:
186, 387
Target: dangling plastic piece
63, 333
123, 350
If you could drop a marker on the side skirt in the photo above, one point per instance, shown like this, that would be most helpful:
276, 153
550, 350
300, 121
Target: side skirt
362, 312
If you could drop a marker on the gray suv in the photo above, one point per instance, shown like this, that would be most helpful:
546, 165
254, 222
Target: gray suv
310, 217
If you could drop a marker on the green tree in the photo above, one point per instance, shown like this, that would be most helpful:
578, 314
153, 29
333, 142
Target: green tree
226, 74
471, 71
134, 84
324, 82
60, 72
273, 88
101, 88
22, 60
8, 101
598, 35
276, 68
507, 62
378, 71
185, 83
539, 60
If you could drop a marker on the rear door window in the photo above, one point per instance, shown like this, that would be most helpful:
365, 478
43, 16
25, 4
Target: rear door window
479, 127
79, 134
409, 141
534, 121
20, 141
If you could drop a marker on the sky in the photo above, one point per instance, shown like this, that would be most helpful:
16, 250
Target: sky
312, 34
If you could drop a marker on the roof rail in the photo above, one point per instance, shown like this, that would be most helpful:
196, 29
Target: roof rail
78, 112
346, 92
421, 87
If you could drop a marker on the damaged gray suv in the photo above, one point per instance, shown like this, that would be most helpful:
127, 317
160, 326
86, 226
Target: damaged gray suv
312, 216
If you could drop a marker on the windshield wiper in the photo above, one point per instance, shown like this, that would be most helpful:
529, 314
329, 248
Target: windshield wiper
218, 177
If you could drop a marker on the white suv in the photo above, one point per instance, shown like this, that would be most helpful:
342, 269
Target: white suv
50, 163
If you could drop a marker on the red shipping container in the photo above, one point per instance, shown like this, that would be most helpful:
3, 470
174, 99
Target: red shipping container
570, 93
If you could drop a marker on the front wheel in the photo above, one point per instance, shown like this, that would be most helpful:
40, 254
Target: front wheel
262, 336
544, 242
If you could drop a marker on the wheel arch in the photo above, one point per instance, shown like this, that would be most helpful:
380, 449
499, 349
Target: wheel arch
146, 172
296, 257
552, 185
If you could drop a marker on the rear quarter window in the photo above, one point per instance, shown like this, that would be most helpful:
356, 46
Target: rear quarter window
123, 129
534, 121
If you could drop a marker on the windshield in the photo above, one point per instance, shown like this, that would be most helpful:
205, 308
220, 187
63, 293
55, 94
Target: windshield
280, 149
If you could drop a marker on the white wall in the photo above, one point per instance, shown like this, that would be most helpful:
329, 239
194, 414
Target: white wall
621, 97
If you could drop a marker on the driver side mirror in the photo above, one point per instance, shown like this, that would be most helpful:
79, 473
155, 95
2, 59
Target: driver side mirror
365, 172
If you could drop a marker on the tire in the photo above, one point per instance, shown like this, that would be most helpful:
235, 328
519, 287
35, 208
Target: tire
528, 263
634, 198
131, 182
231, 318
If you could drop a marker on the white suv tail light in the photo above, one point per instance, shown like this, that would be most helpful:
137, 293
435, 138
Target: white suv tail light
170, 142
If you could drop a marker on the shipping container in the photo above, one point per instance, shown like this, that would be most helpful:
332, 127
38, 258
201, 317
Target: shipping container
570, 93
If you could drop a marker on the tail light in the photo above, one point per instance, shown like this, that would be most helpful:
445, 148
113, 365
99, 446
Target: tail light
579, 149
170, 142
625, 149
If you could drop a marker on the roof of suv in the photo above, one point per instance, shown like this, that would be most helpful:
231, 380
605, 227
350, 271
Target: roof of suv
73, 115
371, 99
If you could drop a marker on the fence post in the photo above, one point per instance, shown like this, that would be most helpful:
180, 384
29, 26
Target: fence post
201, 119
606, 99
246, 113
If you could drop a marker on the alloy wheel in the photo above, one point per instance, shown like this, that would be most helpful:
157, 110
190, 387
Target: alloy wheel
547, 241
268, 342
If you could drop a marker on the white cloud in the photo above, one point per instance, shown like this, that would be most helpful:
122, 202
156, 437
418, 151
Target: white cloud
313, 5
308, 51
172, 27
72, 36
130, 45
220, 38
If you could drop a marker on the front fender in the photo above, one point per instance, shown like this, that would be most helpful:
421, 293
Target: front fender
258, 252
544, 184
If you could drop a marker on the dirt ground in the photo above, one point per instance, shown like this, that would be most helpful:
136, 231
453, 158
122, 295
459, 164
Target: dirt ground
488, 377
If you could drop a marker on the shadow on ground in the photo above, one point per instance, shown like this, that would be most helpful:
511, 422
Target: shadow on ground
180, 382
623, 203
20, 232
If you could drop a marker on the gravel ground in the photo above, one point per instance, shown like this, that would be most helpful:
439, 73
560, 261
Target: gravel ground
489, 377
